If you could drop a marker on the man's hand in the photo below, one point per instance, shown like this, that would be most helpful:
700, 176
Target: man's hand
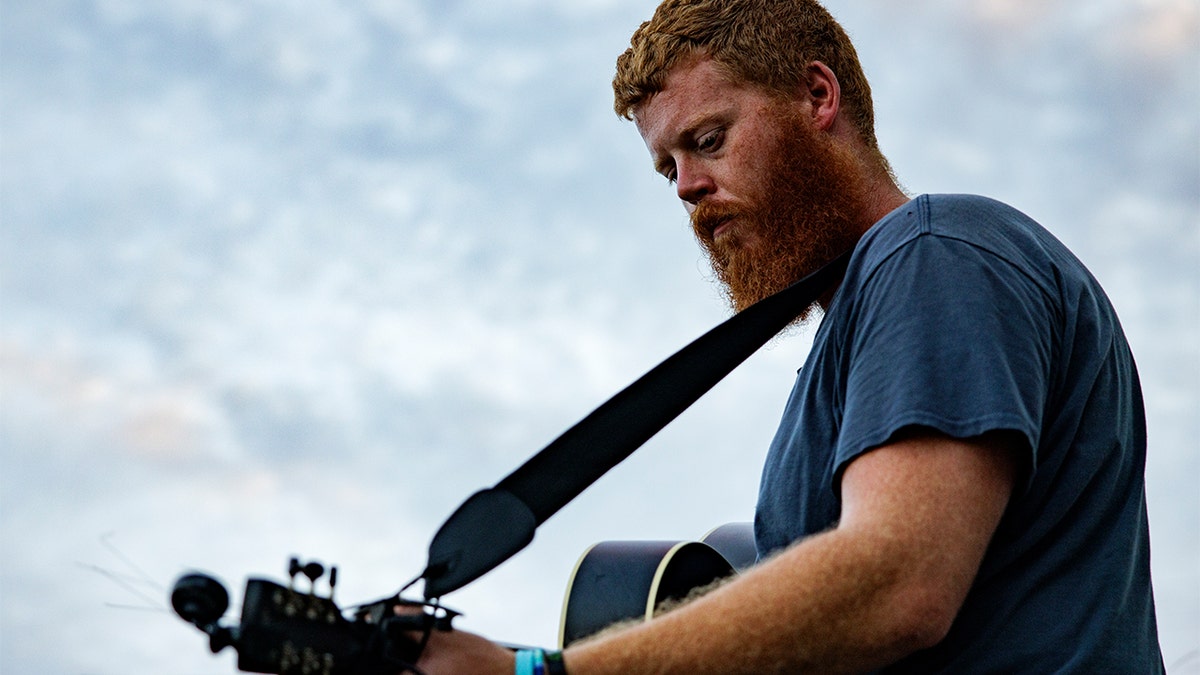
457, 652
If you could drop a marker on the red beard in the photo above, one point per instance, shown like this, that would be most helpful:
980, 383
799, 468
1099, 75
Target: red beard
801, 216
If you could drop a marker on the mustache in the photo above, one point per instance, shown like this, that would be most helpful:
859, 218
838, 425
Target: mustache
708, 216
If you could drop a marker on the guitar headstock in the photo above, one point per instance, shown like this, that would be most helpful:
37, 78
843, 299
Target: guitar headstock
287, 631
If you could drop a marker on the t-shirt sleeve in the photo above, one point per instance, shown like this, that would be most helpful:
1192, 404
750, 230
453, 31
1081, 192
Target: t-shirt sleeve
949, 336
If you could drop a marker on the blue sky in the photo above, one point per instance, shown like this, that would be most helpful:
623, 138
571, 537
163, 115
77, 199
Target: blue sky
283, 277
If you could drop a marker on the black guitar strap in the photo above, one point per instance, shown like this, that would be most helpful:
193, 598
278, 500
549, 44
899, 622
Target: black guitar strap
495, 523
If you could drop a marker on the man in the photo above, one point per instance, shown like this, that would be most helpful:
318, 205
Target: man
957, 483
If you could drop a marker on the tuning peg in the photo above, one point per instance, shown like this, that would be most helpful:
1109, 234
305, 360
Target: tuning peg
314, 570
199, 599
294, 568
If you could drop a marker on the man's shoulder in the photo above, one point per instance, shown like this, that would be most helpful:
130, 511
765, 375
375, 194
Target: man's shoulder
972, 218
974, 221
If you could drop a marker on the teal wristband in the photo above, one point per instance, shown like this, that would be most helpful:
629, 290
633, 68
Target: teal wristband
524, 667
530, 662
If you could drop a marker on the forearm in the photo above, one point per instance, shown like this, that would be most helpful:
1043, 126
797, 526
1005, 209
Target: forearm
834, 603
917, 516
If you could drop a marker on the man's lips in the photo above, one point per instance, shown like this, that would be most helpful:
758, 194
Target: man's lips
722, 225
712, 220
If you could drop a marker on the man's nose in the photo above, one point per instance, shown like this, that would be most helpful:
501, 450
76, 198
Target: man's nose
693, 183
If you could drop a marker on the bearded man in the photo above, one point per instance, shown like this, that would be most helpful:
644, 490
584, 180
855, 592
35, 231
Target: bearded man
957, 483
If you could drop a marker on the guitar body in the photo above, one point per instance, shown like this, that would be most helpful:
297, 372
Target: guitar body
622, 580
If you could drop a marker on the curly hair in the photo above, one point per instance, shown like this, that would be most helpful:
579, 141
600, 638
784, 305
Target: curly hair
768, 43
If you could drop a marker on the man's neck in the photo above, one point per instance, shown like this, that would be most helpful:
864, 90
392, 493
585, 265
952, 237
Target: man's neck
882, 194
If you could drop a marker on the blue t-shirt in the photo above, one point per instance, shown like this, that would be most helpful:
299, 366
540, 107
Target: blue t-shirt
960, 314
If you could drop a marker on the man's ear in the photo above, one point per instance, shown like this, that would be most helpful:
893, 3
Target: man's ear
824, 93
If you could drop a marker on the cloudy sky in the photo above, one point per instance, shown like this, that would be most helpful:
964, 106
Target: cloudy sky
297, 277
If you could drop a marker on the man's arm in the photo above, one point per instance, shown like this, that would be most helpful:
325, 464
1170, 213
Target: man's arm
917, 516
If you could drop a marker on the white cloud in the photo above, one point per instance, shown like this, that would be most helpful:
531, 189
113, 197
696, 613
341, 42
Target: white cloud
299, 279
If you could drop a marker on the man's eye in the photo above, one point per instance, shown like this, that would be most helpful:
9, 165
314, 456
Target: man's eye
710, 141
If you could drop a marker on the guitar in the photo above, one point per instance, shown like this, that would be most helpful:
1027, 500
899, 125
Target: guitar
617, 581
291, 631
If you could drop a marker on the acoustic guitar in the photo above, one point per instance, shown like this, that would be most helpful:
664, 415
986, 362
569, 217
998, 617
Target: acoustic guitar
617, 581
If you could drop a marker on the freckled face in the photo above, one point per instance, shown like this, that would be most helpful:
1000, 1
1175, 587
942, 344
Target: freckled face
706, 134
769, 195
